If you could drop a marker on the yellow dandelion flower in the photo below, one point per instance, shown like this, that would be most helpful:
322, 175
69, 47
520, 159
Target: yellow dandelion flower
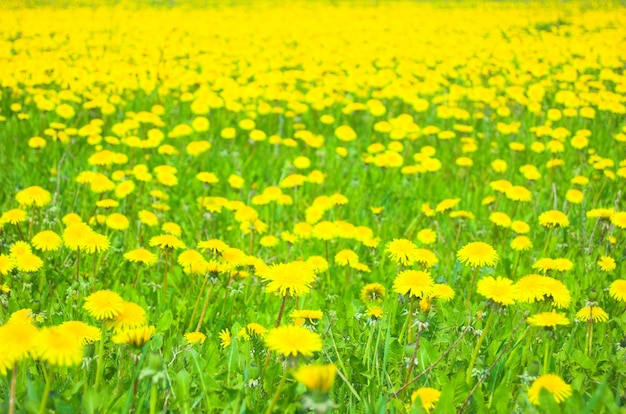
17, 341
442, 292
500, 290
374, 311
167, 241
305, 314
595, 313
47, 241
553, 218
618, 290
521, 243
294, 278
372, 292
548, 319
104, 304
14, 216
478, 254
225, 338
136, 337
318, 378
291, 340
195, 337
59, 346
131, 315
33, 196
83, 332
214, 245
427, 397
415, 283
6, 264
402, 251
554, 384
28, 263
607, 264
141, 255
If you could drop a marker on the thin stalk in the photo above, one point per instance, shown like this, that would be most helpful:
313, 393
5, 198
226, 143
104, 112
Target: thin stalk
589, 338
281, 311
468, 376
153, 398
471, 289
13, 387
545, 248
409, 336
136, 277
204, 307
46, 391
19, 230
167, 265
412, 361
270, 409
99, 361
278, 319
546, 356
77, 264
366, 354
519, 255
195, 306
95, 271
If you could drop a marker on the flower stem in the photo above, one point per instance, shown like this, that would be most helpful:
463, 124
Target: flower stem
468, 376
77, 264
19, 230
546, 356
136, 277
412, 361
471, 289
270, 409
366, 354
281, 311
13, 387
153, 398
545, 248
204, 307
46, 392
167, 265
195, 306
589, 336
409, 336
99, 361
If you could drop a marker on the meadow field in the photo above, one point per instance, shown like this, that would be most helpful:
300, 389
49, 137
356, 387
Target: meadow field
312, 206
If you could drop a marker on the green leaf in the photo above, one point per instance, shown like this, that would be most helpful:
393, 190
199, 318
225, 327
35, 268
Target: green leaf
165, 321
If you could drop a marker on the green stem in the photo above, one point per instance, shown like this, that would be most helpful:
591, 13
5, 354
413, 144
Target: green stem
77, 264
589, 336
136, 276
153, 398
409, 336
412, 361
204, 307
270, 409
19, 230
546, 356
46, 392
545, 248
471, 289
468, 376
366, 354
167, 264
195, 306
13, 387
99, 361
